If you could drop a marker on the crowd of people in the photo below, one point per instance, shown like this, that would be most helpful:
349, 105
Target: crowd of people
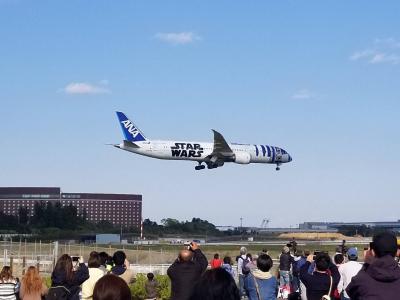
102, 278
305, 275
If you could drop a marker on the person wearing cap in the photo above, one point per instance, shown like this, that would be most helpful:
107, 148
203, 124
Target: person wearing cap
240, 260
285, 262
347, 271
380, 278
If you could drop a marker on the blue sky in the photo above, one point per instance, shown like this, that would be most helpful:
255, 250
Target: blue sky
320, 79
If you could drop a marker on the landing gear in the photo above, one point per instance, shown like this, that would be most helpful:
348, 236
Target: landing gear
277, 167
199, 167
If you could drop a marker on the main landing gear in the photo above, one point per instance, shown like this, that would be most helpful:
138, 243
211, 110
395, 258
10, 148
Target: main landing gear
199, 167
277, 167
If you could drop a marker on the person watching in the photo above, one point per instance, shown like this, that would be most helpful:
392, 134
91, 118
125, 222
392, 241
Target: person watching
379, 279
216, 262
227, 266
186, 271
32, 285
8, 284
285, 262
111, 287
347, 271
151, 286
215, 284
241, 259
95, 273
67, 277
260, 284
121, 267
325, 278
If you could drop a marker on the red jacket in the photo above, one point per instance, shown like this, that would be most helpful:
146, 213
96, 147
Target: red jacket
216, 263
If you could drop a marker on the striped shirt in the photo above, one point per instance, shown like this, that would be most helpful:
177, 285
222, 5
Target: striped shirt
8, 289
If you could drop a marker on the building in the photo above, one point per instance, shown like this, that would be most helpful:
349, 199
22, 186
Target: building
119, 209
390, 225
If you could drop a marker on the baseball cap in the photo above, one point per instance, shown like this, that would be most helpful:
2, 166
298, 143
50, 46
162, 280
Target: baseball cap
352, 252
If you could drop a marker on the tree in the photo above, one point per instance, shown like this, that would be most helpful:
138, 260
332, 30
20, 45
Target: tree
23, 215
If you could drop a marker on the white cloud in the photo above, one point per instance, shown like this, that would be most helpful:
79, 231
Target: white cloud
303, 94
178, 38
381, 51
85, 88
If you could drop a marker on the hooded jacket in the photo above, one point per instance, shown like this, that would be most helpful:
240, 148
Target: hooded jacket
378, 280
229, 269
266, 283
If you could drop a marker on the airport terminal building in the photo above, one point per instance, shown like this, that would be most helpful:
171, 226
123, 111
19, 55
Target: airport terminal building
119, 209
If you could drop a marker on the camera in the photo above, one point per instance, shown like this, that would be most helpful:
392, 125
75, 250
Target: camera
75, 258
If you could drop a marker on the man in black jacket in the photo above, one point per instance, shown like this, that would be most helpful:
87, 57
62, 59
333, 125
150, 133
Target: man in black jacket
324, 278
380, 276
186, 271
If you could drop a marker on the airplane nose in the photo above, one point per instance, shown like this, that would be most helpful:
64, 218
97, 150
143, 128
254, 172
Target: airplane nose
290, 158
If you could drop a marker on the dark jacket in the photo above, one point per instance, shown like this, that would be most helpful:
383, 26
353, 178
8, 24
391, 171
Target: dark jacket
285, 261
184, 275
151, 287
378, 280
80, 276
317, 284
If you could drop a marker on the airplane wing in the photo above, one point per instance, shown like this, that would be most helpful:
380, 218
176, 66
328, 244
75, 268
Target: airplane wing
221, 153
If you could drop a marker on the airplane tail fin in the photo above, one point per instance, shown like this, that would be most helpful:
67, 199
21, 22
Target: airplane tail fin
130, 130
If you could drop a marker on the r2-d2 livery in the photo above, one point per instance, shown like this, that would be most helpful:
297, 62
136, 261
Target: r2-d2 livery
212, 155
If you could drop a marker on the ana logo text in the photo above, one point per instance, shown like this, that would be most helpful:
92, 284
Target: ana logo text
131, 129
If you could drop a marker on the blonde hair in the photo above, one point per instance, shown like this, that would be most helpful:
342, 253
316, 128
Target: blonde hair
32, 282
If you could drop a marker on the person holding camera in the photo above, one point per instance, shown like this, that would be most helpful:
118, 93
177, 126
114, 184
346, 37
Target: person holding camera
186, 271
379, 278
68, 274
323, 281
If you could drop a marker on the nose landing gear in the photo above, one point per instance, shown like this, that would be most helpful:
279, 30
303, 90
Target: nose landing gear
199, 167
277, 167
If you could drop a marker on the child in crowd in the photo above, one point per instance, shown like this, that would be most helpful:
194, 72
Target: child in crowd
151, 287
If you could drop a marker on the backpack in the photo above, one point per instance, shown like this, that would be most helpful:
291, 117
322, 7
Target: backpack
245, 266
58, 293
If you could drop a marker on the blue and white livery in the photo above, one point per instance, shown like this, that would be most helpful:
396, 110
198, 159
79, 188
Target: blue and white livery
212, 155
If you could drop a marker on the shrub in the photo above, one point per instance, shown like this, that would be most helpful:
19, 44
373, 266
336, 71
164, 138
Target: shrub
138, 287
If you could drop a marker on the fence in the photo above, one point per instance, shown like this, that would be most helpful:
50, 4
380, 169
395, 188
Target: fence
21, 255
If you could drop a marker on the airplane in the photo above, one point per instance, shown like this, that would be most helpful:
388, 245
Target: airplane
213, 155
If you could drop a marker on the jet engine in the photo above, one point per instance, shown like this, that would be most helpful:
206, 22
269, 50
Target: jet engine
242, 158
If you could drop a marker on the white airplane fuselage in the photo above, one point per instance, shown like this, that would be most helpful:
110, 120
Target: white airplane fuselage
198, 151
213, 155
